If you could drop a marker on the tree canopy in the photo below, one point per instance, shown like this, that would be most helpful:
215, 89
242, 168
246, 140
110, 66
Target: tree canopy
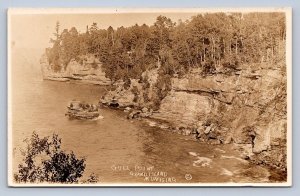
45, 161
208, 41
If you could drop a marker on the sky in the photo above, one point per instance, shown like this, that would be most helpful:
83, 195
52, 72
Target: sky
33, 31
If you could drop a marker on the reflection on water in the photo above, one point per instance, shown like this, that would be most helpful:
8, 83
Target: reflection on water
116, 149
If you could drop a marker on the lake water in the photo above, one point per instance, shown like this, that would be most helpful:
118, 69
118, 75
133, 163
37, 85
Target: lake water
116, 149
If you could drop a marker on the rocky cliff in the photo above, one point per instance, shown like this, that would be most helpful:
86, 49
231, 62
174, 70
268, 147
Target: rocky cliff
86, 69
245, 106
249, 99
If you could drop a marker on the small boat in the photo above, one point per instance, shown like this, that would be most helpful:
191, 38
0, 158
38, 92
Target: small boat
82, 111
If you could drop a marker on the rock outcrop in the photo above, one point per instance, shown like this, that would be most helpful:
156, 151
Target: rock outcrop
245, 106
248, 107
239, 102
86, 69
121, 97
184, 109
138, 93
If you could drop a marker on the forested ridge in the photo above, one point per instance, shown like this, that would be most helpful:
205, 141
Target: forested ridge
220, 77
210, 42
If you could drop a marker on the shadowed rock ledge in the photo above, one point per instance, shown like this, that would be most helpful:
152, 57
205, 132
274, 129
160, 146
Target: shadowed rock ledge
86, 69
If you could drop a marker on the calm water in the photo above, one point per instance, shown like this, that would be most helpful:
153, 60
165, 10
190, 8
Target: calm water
116, 149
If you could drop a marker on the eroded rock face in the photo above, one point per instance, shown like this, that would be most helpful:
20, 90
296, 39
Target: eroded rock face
184, 109
251, 88
119, 98
268, 134
138, 94
207, 84
87, 69
247, 107
244, 135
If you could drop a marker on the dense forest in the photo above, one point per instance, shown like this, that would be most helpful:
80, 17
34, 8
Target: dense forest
210, 42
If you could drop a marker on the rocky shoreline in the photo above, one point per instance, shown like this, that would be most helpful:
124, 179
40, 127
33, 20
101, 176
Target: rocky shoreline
244, 106
277, 170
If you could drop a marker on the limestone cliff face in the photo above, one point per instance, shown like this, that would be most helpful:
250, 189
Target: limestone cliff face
250, 103
245, 106
184, 109
88, 71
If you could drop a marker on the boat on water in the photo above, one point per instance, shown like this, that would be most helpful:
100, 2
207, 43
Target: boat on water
82, 111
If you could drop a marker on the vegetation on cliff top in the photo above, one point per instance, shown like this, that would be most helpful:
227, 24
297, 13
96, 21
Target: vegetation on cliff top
208, 41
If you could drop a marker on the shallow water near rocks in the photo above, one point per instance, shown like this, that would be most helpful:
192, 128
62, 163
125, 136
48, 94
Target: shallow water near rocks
116, 149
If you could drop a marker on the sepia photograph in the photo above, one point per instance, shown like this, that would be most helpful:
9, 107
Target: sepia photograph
149, 97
